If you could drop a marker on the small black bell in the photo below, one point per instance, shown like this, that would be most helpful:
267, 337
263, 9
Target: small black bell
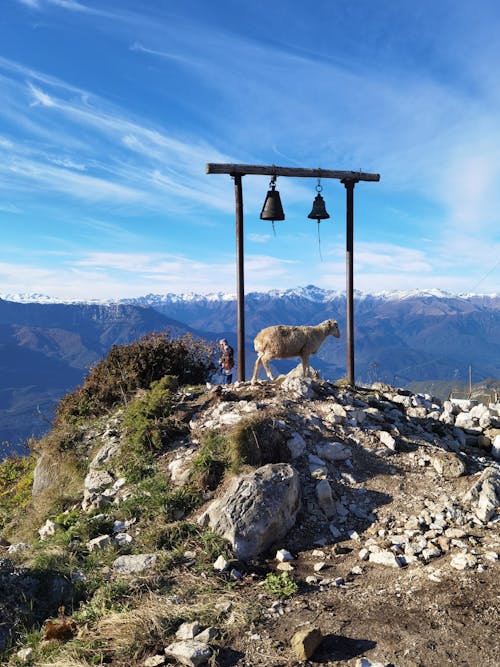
272, 209
318, 210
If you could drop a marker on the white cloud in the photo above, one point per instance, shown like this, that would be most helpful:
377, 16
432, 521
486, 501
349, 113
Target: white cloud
259, 238
30, 3
78, 185
67, 163
136, 46
70, 4
40, 97
9, 208
393, 258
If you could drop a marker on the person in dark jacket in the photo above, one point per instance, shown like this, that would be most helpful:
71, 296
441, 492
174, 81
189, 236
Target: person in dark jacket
226, 361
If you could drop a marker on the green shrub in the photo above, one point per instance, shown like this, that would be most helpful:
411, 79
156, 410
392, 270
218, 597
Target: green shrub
280, 585
135, 366
156, 497
146, 415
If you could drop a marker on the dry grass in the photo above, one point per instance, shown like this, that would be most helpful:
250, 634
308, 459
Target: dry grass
66, 661
154, 621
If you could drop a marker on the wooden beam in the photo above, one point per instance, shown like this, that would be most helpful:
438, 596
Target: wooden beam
297, 172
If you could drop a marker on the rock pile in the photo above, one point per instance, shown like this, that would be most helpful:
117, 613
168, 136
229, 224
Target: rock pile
334, 437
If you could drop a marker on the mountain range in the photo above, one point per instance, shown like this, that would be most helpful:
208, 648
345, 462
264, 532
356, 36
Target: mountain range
46, 347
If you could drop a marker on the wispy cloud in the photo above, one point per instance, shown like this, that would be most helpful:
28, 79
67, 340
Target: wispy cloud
30, 3
72, 5
259, 238
136, 46
39, 97
78, 185
164, 165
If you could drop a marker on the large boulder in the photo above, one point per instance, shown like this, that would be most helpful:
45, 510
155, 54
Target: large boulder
257, 510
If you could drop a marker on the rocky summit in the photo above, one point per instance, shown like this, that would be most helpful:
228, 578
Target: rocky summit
295, 522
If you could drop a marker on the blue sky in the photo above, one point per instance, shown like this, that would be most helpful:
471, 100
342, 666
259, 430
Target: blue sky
110, 109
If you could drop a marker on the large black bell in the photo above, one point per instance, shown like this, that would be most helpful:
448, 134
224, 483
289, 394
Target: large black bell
272, 209
318, 210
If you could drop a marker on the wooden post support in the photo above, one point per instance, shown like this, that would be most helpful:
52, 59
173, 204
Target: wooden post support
349, 290
240, 294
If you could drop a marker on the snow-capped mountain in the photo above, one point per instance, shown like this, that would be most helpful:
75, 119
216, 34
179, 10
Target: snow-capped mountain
309, 293
400, 337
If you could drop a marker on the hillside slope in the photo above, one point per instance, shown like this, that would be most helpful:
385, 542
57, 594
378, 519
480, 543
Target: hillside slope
46, 349
391, 540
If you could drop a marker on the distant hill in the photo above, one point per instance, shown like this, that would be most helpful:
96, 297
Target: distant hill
46, 350
400, 338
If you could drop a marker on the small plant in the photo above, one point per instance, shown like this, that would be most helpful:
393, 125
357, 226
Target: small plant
110, 597
209, 464
280, 585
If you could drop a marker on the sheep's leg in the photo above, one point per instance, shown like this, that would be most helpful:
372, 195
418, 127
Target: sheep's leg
256, 368
305, 365
265, 363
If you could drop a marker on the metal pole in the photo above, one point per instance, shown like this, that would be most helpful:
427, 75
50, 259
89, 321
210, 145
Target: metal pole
238, 193
349, 186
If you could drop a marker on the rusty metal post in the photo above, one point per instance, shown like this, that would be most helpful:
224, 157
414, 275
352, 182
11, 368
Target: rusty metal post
240, 296
349, 186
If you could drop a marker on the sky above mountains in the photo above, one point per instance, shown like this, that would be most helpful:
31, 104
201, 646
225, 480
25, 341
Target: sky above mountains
110, 109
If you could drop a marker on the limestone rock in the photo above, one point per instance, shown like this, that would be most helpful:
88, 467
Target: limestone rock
100, 542
190, 652
495, 448
25, 654
387, 558
207, 635
18, 548
484, 495
221, 564
298, 387
188, 630
387, 439
105, 454
48, 529
305, 642
257, 509
448, 465
154, 661
134, 563
364, 662
98, 480
283, 555
333, 451
324, 496
297, 445
463, 561
464, 420
43, 474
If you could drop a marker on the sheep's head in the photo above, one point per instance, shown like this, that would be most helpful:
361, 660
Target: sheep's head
332, 328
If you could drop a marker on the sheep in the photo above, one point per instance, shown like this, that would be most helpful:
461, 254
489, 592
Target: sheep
283, 342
